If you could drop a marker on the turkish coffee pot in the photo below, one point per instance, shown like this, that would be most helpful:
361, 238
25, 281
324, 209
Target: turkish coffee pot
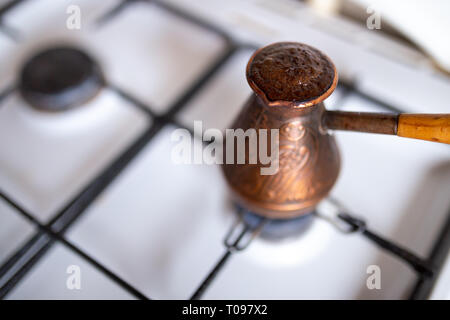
290, 82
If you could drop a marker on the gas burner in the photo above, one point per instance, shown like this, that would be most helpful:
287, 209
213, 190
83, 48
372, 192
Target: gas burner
283, 239
60, 78
277, 229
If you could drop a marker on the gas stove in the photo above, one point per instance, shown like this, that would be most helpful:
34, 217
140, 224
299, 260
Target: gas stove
87, 180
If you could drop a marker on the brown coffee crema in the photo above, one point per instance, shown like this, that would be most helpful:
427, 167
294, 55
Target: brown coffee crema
291, 72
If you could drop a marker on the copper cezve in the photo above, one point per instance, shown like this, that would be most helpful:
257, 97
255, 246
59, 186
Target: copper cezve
290, 81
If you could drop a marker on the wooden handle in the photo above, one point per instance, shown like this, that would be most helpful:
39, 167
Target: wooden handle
432, 127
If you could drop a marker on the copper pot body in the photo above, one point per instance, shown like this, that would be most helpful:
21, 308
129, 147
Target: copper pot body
308, 161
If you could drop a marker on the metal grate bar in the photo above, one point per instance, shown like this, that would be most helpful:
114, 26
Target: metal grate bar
18, 254
192, 18
418, 264
76, 207
6, 92
188, 95
143, 107
234, 241
9, 6
72, 211
219, 265
103, 19
55, 236
44, 244
353, 88
441, 247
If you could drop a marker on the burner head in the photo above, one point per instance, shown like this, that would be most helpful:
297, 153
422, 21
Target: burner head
289, 73
60, 78
278, 229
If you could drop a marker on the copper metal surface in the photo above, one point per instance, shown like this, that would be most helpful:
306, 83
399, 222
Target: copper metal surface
385, 123
290, 81
291, 74
308, 161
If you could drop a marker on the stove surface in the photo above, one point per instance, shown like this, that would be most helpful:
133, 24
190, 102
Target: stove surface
137, 225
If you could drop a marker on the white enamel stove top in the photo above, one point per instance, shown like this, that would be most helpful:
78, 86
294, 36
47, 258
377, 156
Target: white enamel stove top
160, 226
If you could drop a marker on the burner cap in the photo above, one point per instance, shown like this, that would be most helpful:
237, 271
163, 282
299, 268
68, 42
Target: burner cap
60, 78
290, 73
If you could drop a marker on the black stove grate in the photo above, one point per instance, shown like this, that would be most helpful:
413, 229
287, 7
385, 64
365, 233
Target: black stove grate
25, 258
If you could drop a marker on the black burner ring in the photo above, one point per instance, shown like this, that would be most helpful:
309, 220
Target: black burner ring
60, 78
